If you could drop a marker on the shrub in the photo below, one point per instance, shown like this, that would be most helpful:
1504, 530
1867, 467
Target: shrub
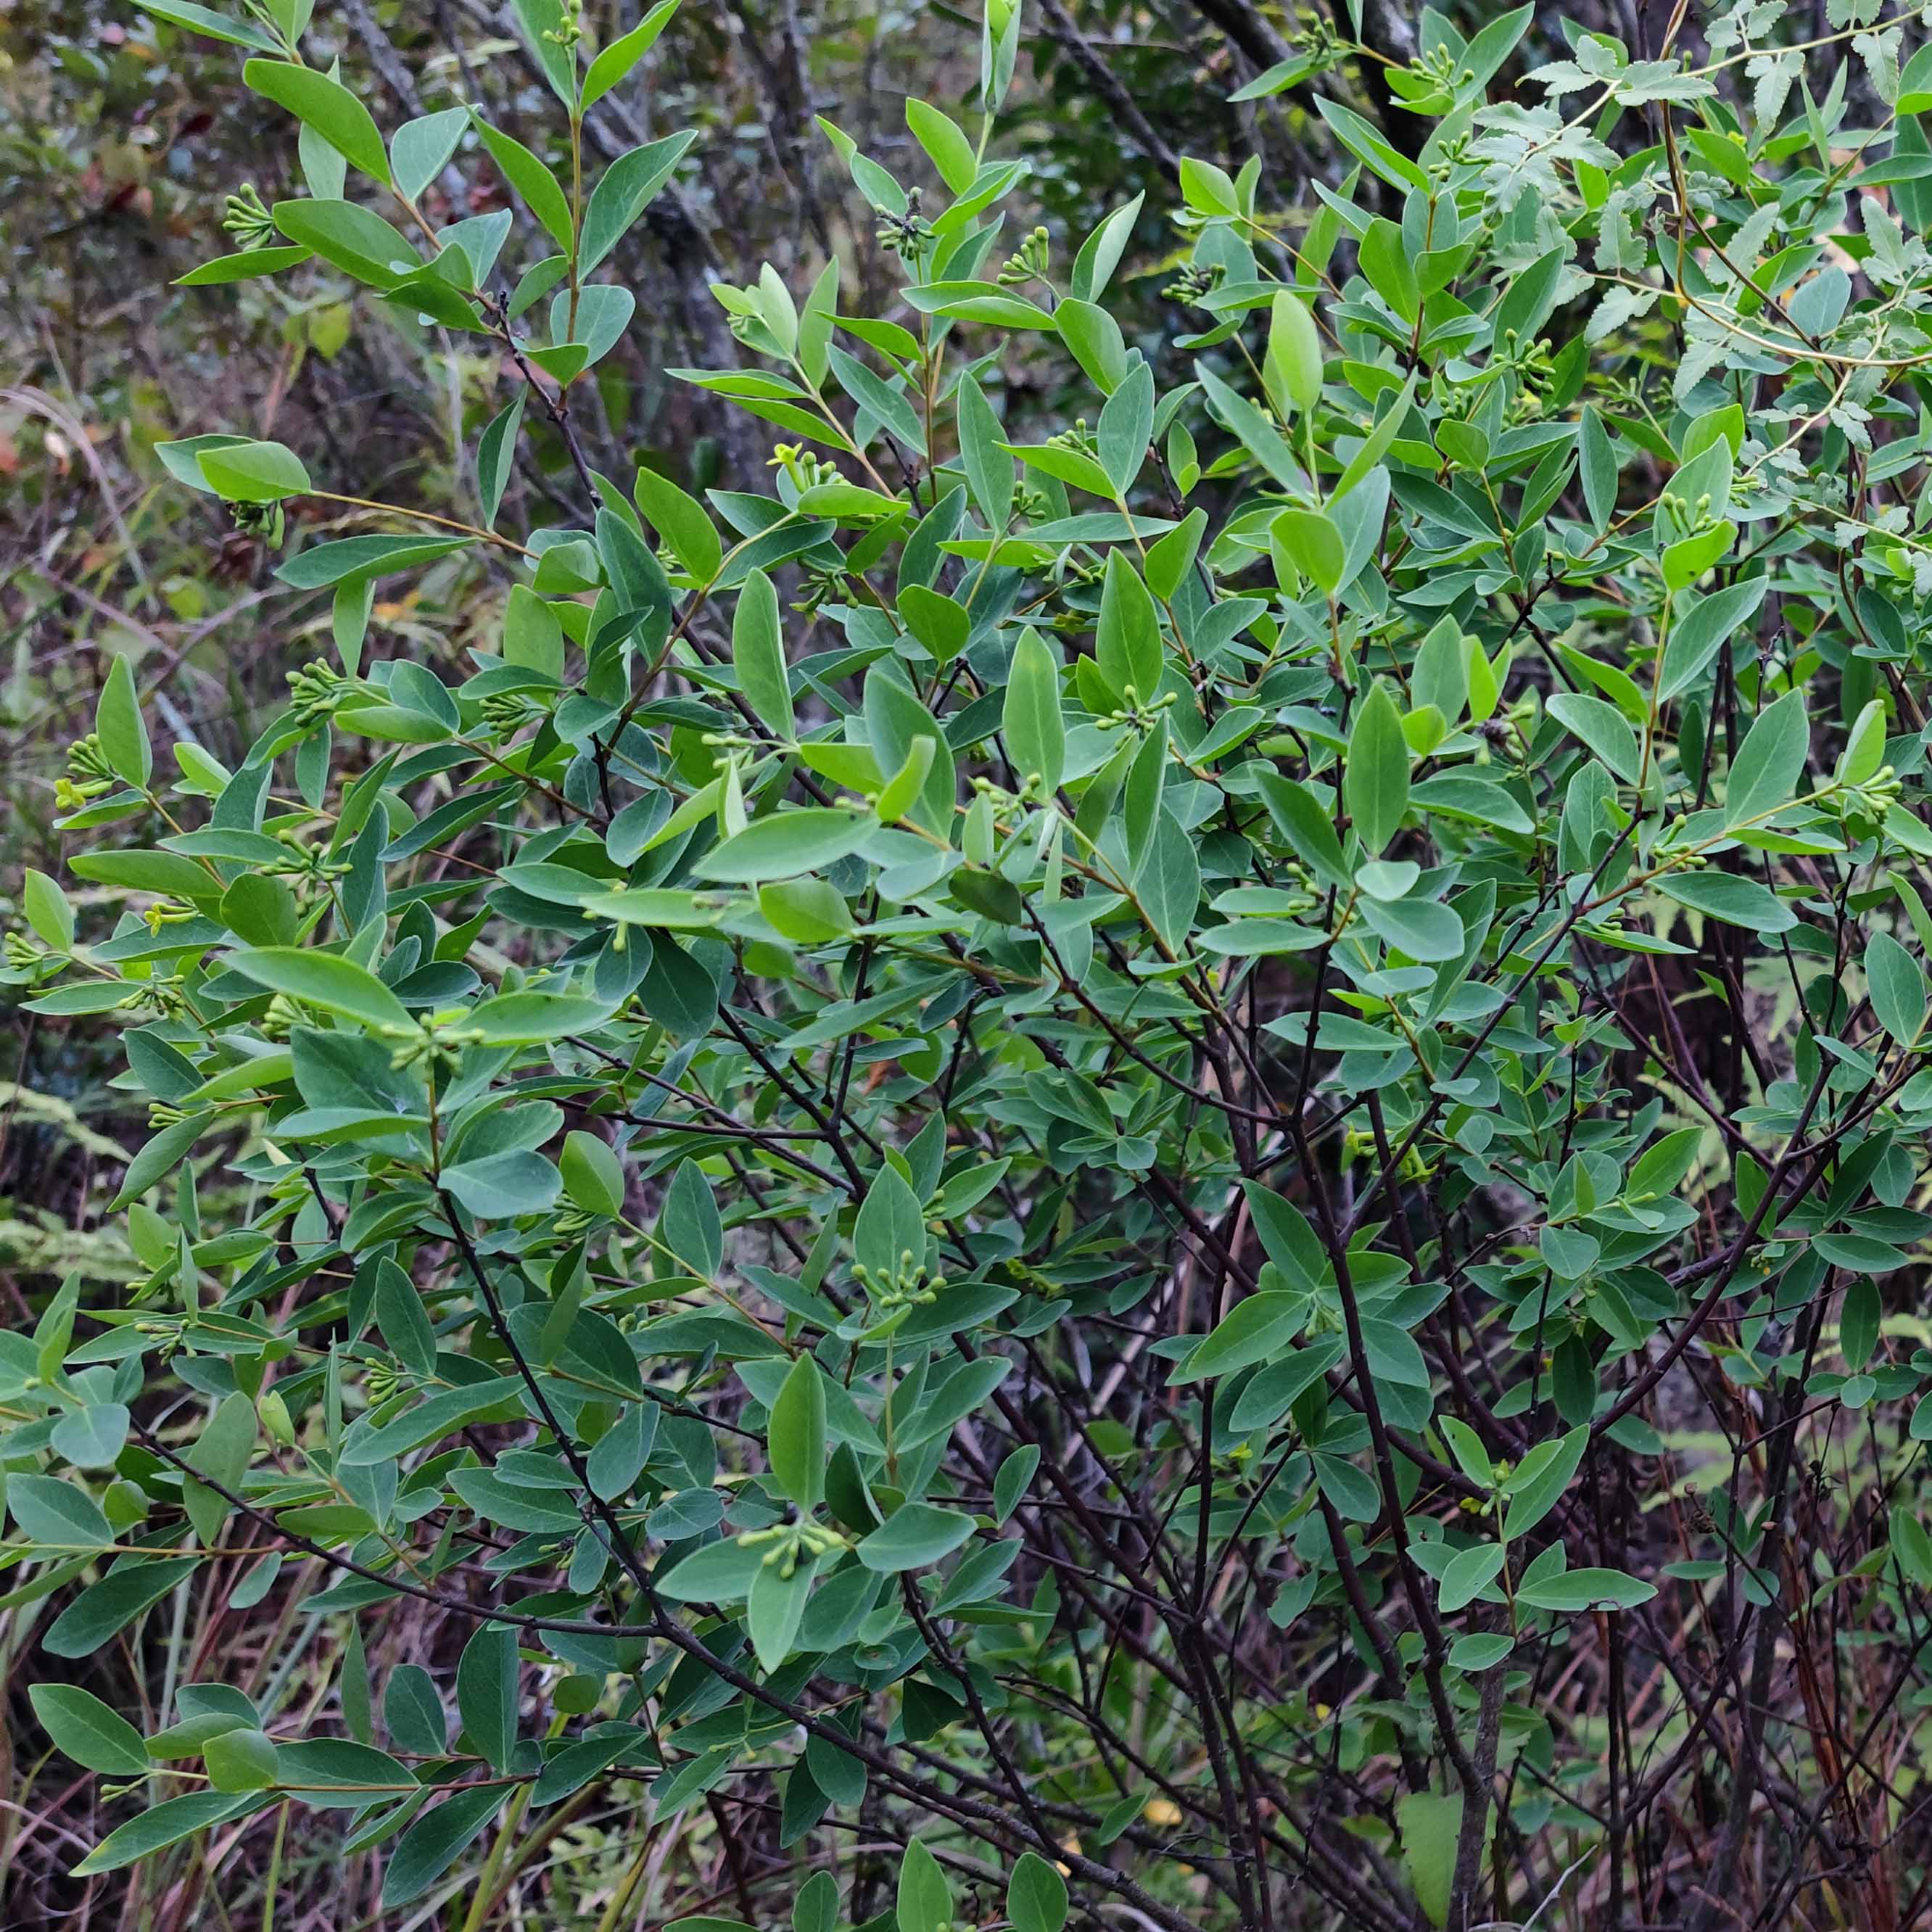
1173, 1162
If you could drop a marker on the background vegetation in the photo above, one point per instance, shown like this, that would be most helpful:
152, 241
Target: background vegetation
1638, 1246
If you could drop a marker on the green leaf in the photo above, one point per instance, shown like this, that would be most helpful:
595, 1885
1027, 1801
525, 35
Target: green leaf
1457, 796
1529, 300
1598, 461
419, 150
890, 407
690, 1225
1574, 1590
1169, 560
1011, 1482
486, 1694
795, 1435
161, 872
549, 32
890, 1227
326, 105
1770, 762
1911, 1547
181, 458
913, 1536
1735, 901
720, 1572
339, 1774
1036, 733
499, 1186
1126, 428
327, 980
615, 63
495, 1399
216, 26
1253, 1330
1289, 1241
808, 912
532, 633
437, 1839
1385, 262
1661, 1169
1100, 253
986, 302
1472, 1458
222, 1451
1314, 545
117, 722
1275, 80
159, 1157
593, 1176
945, 143
774, 1607
531, 1018
510, 1506
1895, 984
1537, 1483
623, 191
1603, 728
1127, 644
1865, 745
1366, 460
1431, 1825
619, 1456
496, 453
53, 1515
542, 193
1470, 1572
46, 905
924, 1898
243, 1759
989, 469
1036, 1895
1207, 189
88, 1731
1294, 366
1423, 928
116, 1600
1860, 1317
93, 1438
682, 521
1375, 780
403, 1320
362, 558
254, 472
163, 1825
1864, 1252
787, 843
1252, 429
352, 239
1306, 826
757, 653
1700, 628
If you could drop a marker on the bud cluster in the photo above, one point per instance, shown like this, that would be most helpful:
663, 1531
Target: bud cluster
786, 1545
1029, 262
908, 1286
316, 690
905, 235
247, 220
1132, 711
